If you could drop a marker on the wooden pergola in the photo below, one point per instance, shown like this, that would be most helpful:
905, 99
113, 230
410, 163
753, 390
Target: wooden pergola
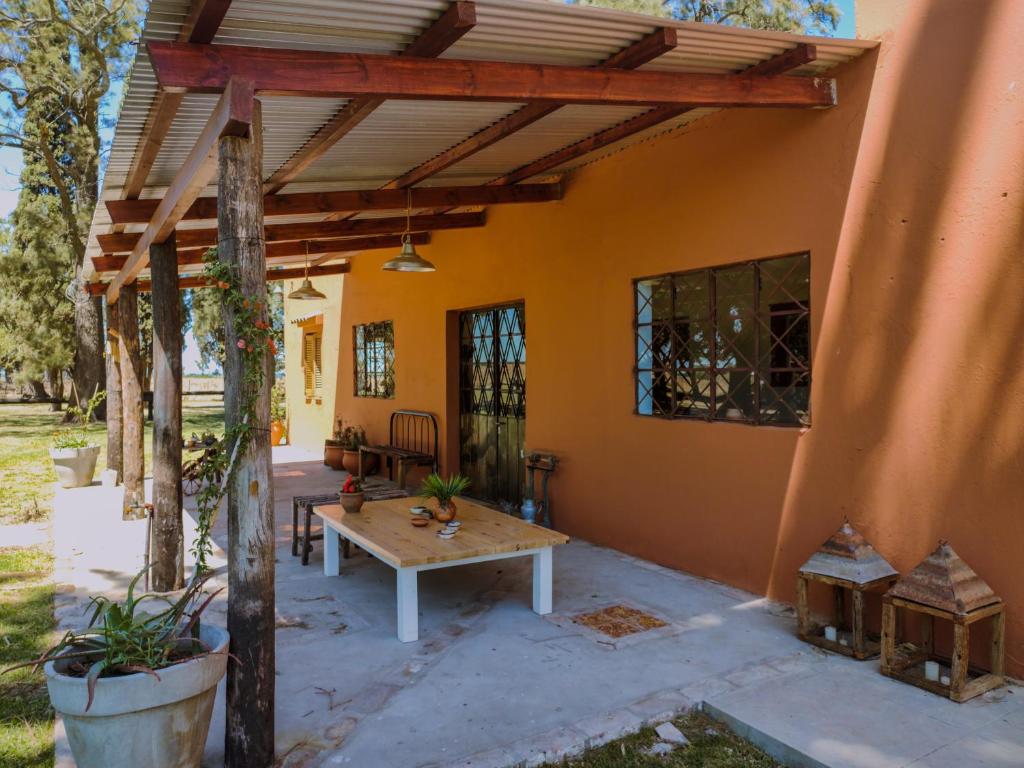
260, 230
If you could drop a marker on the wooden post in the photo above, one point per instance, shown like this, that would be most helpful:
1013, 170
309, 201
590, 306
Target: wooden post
961, 658
131, 401
114, 415
167, 553
888, 636
859, 644
803, 613
249, 740
998, 663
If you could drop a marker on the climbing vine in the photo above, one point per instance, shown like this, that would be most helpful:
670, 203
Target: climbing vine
254, 340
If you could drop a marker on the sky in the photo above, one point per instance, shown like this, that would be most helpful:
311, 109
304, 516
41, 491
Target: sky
10, 171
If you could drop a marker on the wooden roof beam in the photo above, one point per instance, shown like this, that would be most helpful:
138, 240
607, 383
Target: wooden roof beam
232, 116
281, 72
201, 25
441, 35
316, 230
201, 281
659, 42
327, 249
347, 201
773, 67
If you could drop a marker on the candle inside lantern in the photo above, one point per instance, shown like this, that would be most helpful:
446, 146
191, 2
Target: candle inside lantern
843, 641
944, 680
830, 634
931, 671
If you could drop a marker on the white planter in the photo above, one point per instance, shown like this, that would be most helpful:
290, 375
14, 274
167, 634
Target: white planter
75, 466
137, 721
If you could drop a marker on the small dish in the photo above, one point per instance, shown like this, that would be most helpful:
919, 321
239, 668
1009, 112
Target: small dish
454, 524
420, 522
447, 533
421, 511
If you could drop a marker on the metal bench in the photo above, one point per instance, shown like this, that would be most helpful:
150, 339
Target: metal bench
412, 442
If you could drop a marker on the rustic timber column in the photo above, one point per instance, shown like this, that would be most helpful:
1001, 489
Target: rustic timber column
131, 403
114, 415
249, 741
167, 553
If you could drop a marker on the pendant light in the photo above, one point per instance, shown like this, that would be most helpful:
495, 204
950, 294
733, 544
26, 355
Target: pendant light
408, 260
306, 291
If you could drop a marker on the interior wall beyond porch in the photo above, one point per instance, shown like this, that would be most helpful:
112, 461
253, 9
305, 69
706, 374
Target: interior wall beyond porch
908, 196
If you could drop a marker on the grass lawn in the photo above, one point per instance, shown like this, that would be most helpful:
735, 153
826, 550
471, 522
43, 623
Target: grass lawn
711, 745
26, 591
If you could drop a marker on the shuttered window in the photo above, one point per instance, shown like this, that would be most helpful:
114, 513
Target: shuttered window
311, 364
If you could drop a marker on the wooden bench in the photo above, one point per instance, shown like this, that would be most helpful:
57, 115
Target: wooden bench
412, 442
383, 529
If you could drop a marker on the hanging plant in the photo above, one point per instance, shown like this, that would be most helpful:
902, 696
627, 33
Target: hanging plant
255, 339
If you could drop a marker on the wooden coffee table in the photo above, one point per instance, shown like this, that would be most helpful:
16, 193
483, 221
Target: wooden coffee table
383, 529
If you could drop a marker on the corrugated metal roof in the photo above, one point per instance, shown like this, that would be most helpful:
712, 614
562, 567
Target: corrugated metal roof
402, 134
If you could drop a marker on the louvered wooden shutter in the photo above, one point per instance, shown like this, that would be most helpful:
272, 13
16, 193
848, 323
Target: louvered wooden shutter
308, 359
318, 378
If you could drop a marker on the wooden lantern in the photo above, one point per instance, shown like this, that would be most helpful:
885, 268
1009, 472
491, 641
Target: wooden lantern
943, 586
851, 567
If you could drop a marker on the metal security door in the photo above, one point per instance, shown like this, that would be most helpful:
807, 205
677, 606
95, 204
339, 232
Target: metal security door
492, 401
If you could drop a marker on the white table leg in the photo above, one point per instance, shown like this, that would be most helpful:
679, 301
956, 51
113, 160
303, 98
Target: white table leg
408, 606
542, 581
332, 566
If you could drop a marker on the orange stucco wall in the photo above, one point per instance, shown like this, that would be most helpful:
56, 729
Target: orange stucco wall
908, 196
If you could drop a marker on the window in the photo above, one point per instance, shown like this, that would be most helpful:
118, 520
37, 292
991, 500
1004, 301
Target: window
730, 343
374, 360
311, 367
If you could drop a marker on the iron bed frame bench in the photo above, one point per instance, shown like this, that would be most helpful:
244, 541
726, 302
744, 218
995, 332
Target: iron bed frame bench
412, 442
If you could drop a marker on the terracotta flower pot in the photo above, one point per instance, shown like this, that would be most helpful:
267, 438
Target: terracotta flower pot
350, 462
276, 432
445, 513
352, 502
334, 454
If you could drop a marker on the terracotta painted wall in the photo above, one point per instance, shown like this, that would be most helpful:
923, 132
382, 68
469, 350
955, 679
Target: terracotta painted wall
908, 197
309, 422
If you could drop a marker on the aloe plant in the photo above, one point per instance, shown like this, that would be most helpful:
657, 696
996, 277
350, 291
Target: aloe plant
443, 489
122, 638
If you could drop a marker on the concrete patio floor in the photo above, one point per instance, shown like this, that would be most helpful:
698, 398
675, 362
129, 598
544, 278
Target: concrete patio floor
492, 684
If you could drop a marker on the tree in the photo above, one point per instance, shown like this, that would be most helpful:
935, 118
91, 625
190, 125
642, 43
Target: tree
207, 325
57, 62
802, 16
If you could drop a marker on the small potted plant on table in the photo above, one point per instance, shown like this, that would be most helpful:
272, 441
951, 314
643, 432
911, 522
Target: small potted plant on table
137, 686
444, 490
278, 414
74, 457
351, 495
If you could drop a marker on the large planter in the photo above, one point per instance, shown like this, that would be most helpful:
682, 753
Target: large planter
137, 721
276, 432
75, 466
334, 454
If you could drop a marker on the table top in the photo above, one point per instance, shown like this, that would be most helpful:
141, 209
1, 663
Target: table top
384, 528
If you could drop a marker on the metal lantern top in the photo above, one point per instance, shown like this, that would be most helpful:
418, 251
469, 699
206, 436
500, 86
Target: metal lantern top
847, 555
944, 581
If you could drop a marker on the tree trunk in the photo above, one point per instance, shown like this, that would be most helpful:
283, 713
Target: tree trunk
133, 456
115, 415
56, 377
167, 556
89, 373
39, 392
249, 741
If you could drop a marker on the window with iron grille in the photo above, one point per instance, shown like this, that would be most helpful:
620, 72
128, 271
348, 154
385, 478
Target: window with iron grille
374, 359
730, 343
311, 368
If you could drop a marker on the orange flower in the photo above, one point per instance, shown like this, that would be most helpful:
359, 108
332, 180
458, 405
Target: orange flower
222, 285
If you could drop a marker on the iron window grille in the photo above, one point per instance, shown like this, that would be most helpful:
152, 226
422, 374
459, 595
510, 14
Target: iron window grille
730, 343
374, 352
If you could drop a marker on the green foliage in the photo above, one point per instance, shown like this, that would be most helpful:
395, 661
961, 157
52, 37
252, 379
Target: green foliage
75, 436
255, 341
278, 406
820, 17
350, 437
122, 638
443, 489
207, 325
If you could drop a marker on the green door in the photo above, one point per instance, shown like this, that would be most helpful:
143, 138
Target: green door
492, 401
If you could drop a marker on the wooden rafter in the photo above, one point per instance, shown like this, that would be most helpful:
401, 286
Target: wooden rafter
323, 250
441, 35
282, 72
347, 201
314, 230
201, 281
201, 25
659, 42
231, 117
777, 65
